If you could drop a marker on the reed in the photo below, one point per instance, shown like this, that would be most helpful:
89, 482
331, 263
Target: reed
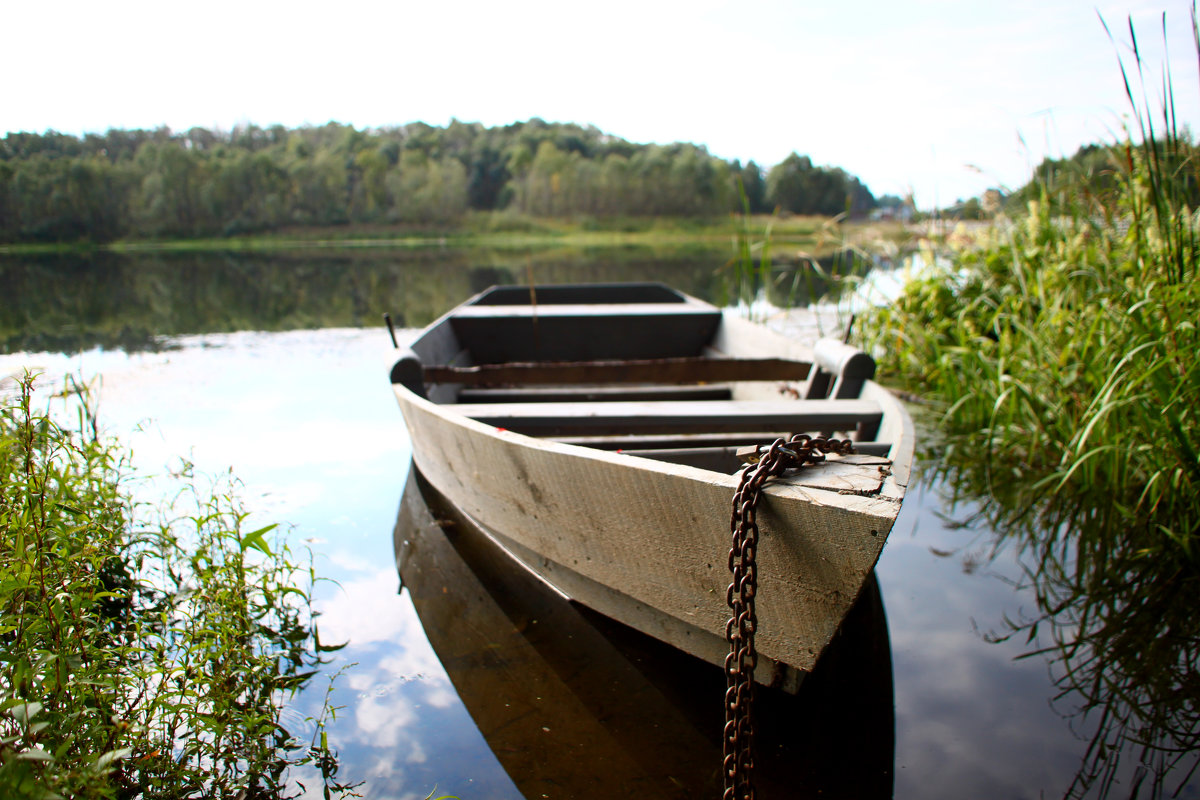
747, 274
1061, 353
820, 266
142, 654
1058, 362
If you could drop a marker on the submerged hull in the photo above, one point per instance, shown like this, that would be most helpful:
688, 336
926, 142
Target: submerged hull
646, 541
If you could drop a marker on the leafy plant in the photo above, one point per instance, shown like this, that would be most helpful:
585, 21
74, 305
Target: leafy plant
141, 657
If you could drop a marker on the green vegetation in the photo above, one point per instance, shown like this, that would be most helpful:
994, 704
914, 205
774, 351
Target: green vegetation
495, 230
1061, 351
1059, 180
137, 658
410, 179
1058, 357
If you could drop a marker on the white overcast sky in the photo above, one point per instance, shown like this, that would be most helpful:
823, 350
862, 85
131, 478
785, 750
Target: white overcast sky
945, 98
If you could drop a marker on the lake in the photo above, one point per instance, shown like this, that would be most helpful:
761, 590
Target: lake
274, 366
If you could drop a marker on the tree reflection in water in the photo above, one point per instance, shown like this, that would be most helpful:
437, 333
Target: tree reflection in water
134, 302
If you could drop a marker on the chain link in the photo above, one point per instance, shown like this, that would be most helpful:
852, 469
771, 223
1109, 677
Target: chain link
766, 462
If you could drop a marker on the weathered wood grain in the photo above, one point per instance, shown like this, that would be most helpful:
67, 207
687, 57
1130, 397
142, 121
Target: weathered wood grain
683, 416
635, 443
658, 532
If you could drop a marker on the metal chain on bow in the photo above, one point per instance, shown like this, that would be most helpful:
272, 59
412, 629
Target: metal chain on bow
738, 765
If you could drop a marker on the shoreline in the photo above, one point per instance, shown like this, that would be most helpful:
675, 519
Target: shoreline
817, 237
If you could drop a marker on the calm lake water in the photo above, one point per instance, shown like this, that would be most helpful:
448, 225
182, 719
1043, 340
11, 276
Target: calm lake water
472, 680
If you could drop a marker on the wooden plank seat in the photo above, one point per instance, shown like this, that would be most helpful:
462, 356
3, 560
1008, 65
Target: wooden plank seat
652, 370
600, 394
684, 416
635, 441
591, 294
500, 333
623, 312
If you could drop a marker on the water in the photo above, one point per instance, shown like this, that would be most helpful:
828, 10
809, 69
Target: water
307, 421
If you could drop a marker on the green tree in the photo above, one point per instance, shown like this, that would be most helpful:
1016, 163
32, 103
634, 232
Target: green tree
248, 192
797, 186
423, 190
56, 187
169, 198
754, 185
369, 197
319, 189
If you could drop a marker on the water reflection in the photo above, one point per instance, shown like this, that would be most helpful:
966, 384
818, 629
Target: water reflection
400, 726
575, 705
66, 303
1119, 631
135, 301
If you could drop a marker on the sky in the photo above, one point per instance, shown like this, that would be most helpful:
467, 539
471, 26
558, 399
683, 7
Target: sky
939, 98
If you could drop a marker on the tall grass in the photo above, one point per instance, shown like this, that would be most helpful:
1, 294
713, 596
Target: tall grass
1062, 353
748, 271
1060, 360
759, 283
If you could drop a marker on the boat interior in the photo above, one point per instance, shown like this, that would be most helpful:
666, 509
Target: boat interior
640, 369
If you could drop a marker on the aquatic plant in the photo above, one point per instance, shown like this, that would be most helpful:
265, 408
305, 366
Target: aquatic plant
1121, 637
142, 655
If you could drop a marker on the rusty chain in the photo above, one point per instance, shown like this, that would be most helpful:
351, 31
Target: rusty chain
765, 462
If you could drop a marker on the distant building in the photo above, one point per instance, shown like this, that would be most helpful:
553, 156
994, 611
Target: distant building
892, 214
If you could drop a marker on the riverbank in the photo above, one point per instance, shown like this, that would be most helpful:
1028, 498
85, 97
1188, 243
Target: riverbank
818, 237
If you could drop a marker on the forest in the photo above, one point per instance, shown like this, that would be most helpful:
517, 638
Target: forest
160, 184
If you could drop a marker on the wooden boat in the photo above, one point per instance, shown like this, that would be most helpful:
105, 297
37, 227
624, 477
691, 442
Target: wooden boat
592, 431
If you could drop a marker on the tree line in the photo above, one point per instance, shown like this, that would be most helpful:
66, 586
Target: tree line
56, 187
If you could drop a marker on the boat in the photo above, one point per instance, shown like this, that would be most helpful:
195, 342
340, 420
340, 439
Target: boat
594, 431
